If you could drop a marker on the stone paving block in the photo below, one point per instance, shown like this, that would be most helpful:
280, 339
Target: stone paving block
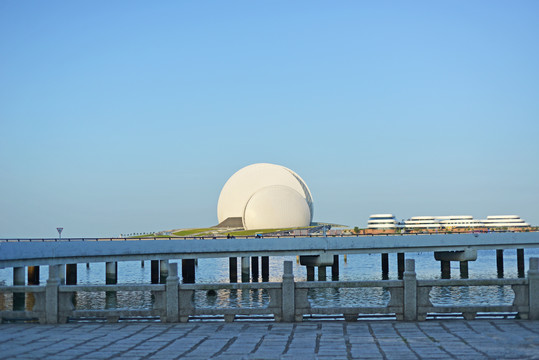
265, 355
97, 356
432, 339
298, 356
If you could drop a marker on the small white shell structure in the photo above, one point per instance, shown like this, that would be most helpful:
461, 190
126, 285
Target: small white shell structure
266, 196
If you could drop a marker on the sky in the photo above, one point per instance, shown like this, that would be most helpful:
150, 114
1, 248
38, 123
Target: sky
122, 117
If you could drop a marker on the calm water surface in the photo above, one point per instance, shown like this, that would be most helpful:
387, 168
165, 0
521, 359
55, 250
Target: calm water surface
356, 267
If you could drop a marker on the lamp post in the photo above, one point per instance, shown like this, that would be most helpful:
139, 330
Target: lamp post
59, 232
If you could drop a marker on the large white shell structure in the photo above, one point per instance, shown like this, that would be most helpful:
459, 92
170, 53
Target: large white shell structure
263, 212
276, 207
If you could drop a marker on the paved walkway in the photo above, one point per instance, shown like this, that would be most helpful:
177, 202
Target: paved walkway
448, 339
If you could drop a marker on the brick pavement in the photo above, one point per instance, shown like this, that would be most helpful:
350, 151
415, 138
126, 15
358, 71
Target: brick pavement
448, 339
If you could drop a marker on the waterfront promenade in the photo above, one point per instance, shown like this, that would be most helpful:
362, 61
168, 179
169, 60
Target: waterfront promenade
446, 339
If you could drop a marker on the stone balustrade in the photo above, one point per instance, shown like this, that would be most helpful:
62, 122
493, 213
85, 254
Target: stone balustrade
174, 302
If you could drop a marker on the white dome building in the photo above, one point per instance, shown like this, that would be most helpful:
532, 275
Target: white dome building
266, 196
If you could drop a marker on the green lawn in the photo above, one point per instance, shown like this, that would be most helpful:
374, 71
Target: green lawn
261, 231
189, 232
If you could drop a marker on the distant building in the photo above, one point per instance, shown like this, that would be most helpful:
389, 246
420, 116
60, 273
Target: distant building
382, 222
504, 221
422, 222
459, 221
449, 222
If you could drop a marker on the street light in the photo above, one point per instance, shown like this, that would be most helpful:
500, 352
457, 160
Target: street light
59, 232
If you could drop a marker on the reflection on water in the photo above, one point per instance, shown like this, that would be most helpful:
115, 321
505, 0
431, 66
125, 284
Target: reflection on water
472, 295
113, 300
232, 299
30, 301
6, 301
348, 297
356, 268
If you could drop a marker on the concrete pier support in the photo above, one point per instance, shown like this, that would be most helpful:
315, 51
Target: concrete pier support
322, 273
335, 268
233, 269
520, 263
62, 273
154, 264
163, 271
400, 265
142, 263
463, 269
18, 279
245, 270
310, 273
499, 262
385, 266
462, 256
111, 273
445, 267
265, 268
254, 268
111, 277
33, 275
71, 274
188, 271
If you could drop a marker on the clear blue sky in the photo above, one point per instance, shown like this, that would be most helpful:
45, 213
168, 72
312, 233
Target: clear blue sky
125, 116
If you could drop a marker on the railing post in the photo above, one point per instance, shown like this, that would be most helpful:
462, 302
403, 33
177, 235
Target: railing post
533, 293
172, 293
51, 295
410, 291
288, 303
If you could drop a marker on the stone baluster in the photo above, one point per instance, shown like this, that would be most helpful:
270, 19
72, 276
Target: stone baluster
410, 291
289, 302
51, 295
172, 295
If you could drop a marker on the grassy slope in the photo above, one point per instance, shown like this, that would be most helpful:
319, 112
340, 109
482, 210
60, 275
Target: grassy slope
189, 232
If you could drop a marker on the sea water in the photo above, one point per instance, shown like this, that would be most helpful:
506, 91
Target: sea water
354, 267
